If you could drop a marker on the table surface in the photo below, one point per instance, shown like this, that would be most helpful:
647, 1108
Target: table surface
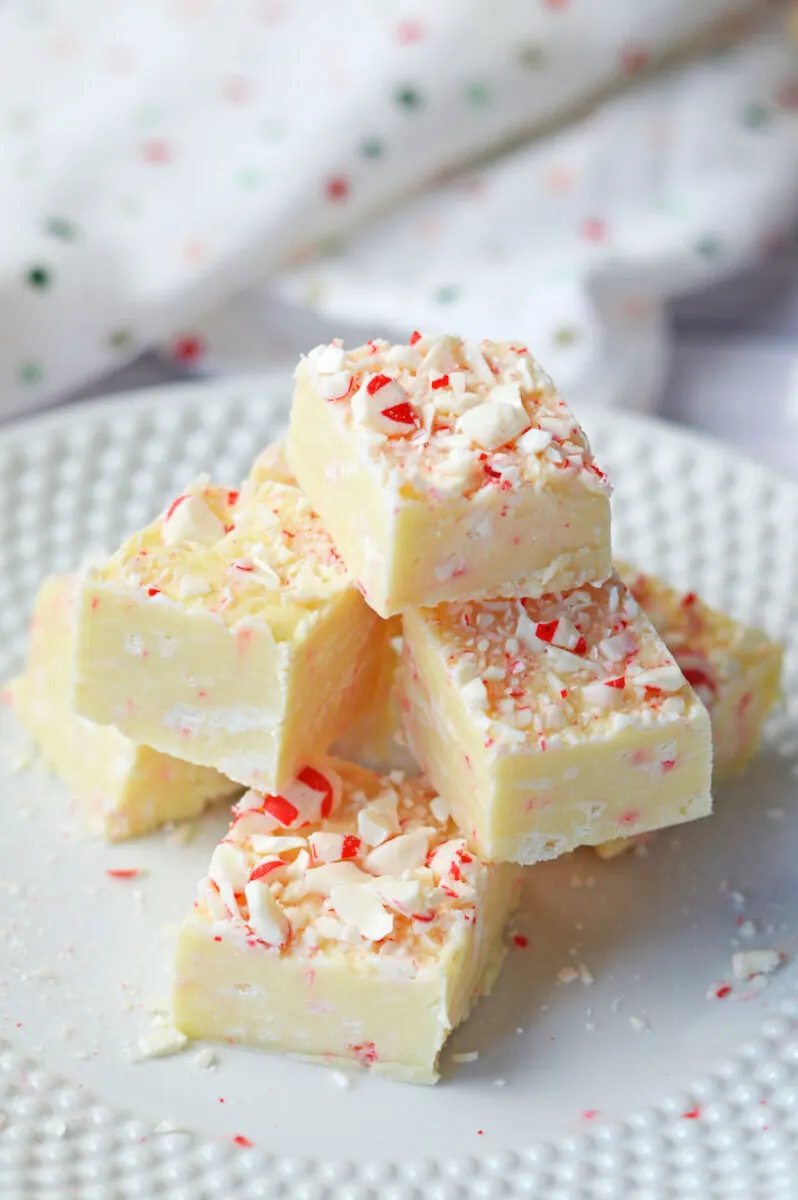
734, 371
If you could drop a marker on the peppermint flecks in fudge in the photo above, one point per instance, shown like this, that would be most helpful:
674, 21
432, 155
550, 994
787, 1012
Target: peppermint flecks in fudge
446, 469
227, 633
553, 723
122, 789
344, 920
735, 669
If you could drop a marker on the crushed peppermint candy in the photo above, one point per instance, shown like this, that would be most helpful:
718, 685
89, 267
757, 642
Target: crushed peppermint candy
747, 963
451, 415
161, 1042
379, 866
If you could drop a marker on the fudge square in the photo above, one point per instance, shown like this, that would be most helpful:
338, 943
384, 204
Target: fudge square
447, 470
121, 789
227, 633
345, 921
553, 723
736, 670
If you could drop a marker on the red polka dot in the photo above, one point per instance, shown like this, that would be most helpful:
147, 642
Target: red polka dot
238, 90
188, 348
156, 150
409, 31
633, 58
594, 229
556, 4
337, 188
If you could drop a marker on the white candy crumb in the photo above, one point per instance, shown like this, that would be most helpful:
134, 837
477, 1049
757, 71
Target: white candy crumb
500, 1083
746, 963
341, 1079
466, 1056
181, 835
205, 1058
774, 814
585, 974
739, 898
519, 1030
170, 1126
159, 1043
639, 1024
55, 1127
748, 929
616, 1004
567, 975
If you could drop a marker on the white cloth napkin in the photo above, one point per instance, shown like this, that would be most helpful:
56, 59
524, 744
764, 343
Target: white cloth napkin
170, 167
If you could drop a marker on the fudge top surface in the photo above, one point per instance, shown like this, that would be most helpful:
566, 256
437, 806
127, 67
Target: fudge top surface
357, 864
263, 556
712, 649
443, 417
537, 674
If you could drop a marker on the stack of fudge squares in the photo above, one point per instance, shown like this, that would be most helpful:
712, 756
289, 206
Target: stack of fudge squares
421, 575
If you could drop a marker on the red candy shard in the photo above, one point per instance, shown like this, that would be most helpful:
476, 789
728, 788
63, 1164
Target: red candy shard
520, 940
581, 646
402, 413
351, 846
693, 1114
232, 498
619, 683
546, 630
441, 382
153, 591
263, 869
319, 783
242, 1141
378, 382
415, 336
123, 872
281, 809
365, 1053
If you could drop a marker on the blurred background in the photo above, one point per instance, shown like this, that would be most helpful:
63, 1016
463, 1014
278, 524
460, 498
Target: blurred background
191, 187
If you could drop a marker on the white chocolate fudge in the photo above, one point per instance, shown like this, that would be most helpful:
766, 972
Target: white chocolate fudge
377, 739
447, 470
121, 789
735, 669
227, 633
554, 723
345, 921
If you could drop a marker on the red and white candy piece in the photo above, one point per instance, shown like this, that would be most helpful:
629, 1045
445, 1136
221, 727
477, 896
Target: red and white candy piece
190, 519
229, 870
452, 860
700, 674
496, 422
667, 678
266, 918
382, 405
377, 821
321, 880
334, 847
333, 380
312, 796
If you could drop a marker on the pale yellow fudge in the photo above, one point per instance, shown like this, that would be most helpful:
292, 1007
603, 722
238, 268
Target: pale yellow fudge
447, 470
554, 723
735, 669
227, 633
344, 921
121, 789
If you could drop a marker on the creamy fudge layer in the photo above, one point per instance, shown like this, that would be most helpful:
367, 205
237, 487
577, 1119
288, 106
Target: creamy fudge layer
735, 669
227, 633
554, 723
122, 789
345, 921
445, 469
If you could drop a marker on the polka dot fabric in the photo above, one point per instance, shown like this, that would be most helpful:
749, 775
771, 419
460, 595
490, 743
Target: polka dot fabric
162, 158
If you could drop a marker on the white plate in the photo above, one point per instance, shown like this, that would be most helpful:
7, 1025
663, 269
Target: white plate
567, 1099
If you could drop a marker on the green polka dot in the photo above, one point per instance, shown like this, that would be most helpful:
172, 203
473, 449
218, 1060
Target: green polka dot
39, 277
708, 246
30, 373
372, 148
61, 228
477, 94
755, 116
119, 339
448, 293
249, 178
408, 97
566, 335
532, 56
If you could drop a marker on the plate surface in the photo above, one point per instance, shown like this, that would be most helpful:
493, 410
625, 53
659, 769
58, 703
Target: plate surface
636, 1086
